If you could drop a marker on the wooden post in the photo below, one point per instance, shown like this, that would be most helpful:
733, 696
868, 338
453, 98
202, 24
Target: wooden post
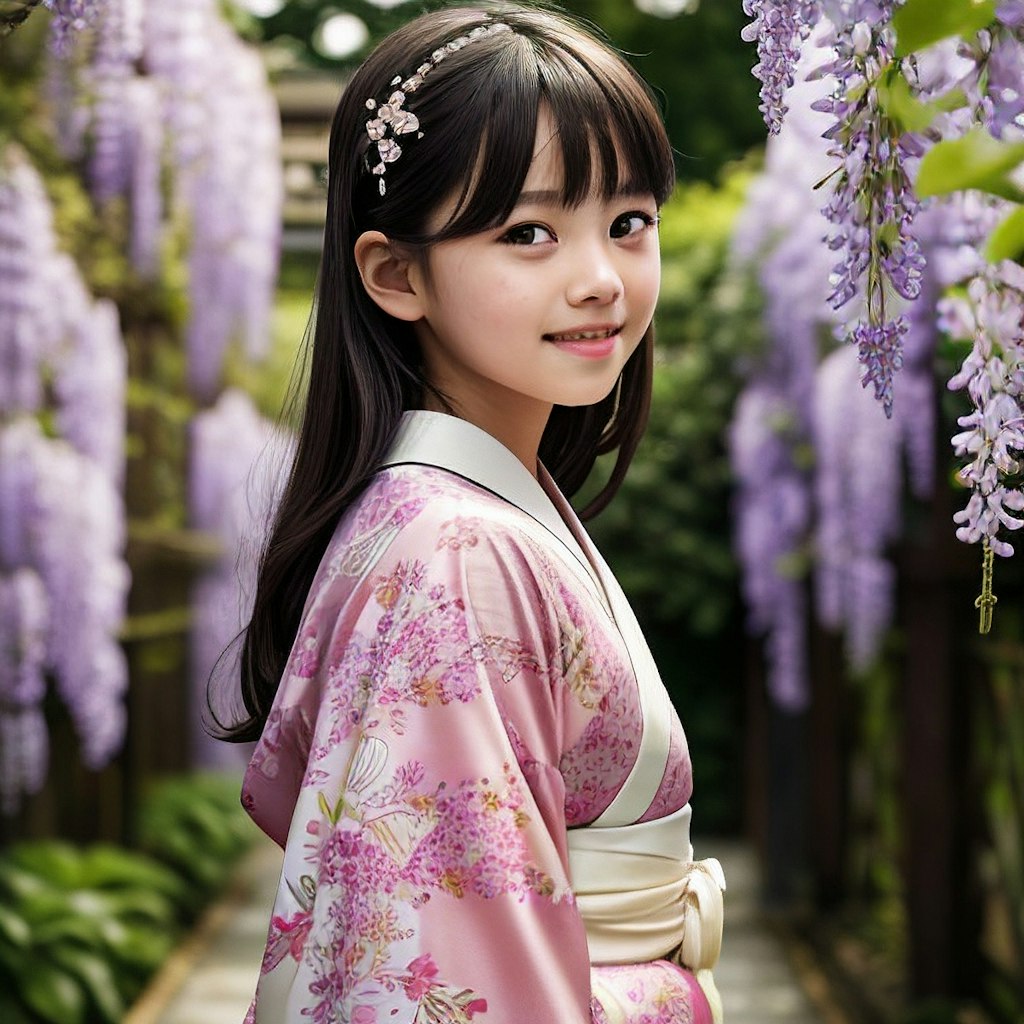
943, 920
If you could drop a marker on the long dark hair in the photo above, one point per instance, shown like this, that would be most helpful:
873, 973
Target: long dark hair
478, 111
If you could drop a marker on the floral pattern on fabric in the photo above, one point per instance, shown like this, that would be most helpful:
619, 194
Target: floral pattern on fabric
451, 704
661, 994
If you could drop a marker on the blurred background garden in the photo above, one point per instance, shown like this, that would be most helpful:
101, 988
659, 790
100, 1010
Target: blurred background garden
789, 547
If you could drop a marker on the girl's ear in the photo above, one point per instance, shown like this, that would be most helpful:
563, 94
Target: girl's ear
386, 277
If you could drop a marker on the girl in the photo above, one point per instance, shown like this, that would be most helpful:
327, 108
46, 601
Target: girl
464, 746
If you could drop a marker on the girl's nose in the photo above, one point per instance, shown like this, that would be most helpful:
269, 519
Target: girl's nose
594, 280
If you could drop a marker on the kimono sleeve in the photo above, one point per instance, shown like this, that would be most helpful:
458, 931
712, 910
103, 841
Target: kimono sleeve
425, 870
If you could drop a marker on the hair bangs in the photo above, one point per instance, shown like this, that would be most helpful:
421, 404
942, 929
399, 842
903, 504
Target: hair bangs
507, 107
607, 123
605, 115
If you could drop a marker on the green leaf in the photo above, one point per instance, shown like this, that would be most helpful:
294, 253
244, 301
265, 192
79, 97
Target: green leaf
97, 979
55, 862
902, 107
976, 160
108, 867
1007, 240
14, 929
54, 994
919, 23
143, 949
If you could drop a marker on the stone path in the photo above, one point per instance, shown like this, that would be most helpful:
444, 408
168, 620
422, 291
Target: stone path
211, 979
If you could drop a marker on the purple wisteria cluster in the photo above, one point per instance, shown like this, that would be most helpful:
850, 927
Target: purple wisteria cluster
992, 441
238, 467
803, 428
779, 29
69, 18
871, 206
63, 579
994, 84
203, 105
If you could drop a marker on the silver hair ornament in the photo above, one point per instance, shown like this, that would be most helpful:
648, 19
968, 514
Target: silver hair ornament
392, 119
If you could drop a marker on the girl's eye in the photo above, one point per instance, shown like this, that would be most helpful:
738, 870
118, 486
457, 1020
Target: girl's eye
631, 223
527, 234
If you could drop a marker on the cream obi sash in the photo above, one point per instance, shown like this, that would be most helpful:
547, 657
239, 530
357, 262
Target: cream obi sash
641, 895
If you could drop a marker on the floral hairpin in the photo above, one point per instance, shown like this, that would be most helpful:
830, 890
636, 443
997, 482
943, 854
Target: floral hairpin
392, 119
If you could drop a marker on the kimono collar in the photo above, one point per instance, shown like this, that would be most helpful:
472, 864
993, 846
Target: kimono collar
458, 446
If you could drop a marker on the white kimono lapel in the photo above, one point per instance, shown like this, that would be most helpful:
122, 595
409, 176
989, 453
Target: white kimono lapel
446, 442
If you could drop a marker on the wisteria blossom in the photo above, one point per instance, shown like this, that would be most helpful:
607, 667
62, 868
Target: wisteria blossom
91, 374
858, 491
239, 464
115, 51
773, 514
24, 614
779, 232
779, 30
994, 82
30, 322
65, 589
69, 18
225, 137
992, 441
77, 342
204, 105
872, 205
63, 578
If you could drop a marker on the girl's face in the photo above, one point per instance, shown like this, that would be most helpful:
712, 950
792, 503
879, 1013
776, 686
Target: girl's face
544, 309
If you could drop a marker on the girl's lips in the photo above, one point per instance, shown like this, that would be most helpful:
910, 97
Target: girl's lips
588, 348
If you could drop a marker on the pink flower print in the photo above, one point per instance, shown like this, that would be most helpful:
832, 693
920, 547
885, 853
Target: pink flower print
475, 1007
364, 1015
389, 589
305, 664
287, 937
420, 981
457, 534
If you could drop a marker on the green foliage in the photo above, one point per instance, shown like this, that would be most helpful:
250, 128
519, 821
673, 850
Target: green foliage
81, 930
1007, 240
919, 23
905, 109
976, 160
196, 826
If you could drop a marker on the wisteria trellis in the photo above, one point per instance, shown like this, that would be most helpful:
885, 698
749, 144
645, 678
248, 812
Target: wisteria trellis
140, 94
895, 112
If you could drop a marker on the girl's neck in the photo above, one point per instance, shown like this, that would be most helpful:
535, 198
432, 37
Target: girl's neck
519, 430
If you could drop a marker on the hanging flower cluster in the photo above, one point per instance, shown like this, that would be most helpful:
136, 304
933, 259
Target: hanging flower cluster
871, 206
813, 435
69, 18
992, 441
779, 30
204, 104
238, 469
63, 579
889, 118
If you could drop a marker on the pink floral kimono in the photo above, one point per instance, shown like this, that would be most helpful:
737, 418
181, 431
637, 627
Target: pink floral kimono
462, 698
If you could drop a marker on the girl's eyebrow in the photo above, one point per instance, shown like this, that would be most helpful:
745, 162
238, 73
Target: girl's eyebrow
553, 197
